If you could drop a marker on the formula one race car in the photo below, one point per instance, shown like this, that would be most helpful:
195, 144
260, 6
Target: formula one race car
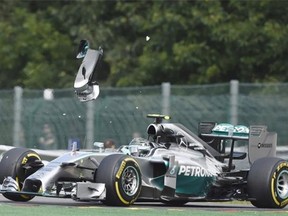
172, 165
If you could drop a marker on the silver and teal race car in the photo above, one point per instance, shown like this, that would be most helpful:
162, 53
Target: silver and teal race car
170, 165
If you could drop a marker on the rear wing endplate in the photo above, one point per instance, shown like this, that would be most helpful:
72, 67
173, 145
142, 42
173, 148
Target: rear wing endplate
261, 143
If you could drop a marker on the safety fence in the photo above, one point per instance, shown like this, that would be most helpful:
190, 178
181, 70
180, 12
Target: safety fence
32, 119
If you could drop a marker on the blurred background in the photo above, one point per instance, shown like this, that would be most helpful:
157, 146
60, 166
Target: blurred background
223, 61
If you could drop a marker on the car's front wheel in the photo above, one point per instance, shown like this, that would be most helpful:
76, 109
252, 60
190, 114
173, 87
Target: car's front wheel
19, 163
268, 183
122, 177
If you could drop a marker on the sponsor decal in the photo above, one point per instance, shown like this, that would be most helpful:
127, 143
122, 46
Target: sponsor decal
280, 166
122, 166
194, 171
284, 203
264, 145
25, 159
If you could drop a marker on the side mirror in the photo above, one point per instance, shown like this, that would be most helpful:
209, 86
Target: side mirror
82, 49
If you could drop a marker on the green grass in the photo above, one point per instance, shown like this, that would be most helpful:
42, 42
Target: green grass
48, 210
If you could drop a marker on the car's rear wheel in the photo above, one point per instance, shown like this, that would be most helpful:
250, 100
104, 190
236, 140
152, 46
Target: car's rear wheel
19, 163
268, 183
122, 177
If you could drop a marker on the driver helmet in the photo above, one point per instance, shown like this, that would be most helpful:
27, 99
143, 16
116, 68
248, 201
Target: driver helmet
139, 147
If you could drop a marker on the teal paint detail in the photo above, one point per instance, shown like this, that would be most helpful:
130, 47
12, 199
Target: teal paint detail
192, 180
158, 182
166, 163
194, 186
226, 129
189, 185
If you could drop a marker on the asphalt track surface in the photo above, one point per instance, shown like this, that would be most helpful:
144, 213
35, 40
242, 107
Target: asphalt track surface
210, 206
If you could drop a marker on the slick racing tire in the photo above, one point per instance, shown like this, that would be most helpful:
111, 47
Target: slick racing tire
16, 164
122, 177
268, 183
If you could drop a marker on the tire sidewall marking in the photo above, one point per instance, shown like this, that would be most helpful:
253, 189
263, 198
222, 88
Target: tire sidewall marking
23, 162
118, 178
278, 200
119, 194
26, 158
120, 170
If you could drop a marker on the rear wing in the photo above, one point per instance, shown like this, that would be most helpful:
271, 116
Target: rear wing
261, 143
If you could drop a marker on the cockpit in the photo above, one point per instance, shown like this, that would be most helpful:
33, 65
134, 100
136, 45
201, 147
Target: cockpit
140, 147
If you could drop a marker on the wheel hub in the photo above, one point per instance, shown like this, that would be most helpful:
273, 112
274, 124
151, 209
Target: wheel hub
130, 181
282, 184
